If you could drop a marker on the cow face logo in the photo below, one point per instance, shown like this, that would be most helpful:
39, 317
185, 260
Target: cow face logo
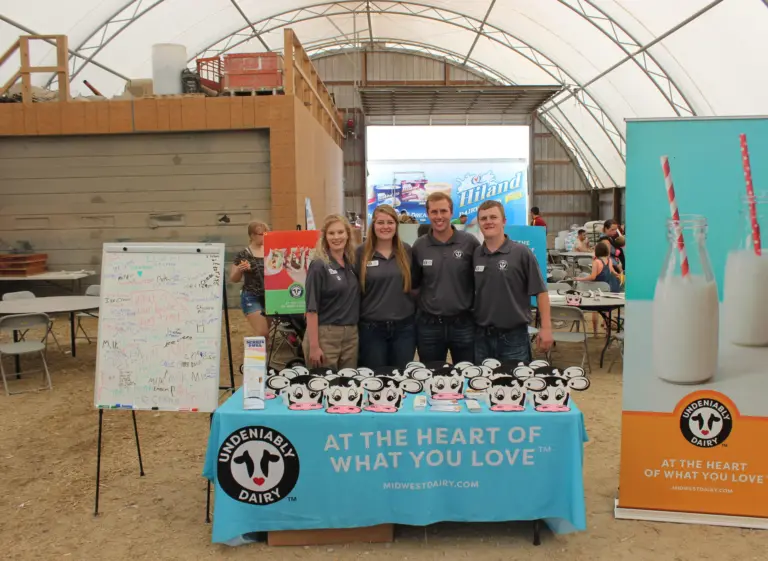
503, 265
345, 393
555, 395
296, 291
506, 391
257, 465
458, 254
706, 423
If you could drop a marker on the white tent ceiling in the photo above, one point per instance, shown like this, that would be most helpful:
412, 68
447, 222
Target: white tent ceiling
691, 57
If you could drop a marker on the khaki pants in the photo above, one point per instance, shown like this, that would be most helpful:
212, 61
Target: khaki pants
339, 346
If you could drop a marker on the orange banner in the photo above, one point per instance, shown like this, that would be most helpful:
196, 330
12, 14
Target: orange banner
702, 458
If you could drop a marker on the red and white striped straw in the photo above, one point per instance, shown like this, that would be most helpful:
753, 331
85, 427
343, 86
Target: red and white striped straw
685, 269
750, 194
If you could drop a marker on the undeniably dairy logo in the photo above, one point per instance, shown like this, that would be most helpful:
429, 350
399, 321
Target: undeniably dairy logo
257, 465
474, 189
706, 422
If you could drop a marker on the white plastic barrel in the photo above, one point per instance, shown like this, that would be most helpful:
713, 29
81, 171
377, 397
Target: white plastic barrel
168, 60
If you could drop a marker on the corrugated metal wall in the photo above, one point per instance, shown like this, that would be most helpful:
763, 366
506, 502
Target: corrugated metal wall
66, 196
558, 186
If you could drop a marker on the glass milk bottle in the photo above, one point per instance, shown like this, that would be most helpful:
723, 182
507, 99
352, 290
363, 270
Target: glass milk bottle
685, 307
745, 304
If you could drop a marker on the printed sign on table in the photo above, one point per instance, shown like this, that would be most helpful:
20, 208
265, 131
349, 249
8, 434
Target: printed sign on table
696, 342
288, 255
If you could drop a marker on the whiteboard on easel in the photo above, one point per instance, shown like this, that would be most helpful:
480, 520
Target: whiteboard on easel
160, 326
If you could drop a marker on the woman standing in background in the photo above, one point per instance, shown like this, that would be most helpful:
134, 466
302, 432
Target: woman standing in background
333, 299
387, 328
249, 267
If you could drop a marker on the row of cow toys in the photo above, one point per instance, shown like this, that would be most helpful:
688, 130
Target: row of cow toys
503, 386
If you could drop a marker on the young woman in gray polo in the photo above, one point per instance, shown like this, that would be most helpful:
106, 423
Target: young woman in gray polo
333, 299
442, 272
387, 330
506, 276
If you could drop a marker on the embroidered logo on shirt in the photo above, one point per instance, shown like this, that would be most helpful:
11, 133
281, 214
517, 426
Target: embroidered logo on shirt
426, 263
458, 253
333, 271
503, 265
480, 268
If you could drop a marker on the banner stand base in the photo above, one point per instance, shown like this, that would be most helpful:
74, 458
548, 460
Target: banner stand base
688, 518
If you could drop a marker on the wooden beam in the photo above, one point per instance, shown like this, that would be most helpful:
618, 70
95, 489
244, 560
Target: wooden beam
9, 52
559, 192
10, 82
319, 99
62, 61
26, 77
288, 62
564, 162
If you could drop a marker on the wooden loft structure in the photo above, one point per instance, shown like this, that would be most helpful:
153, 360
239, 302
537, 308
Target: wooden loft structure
305, 131
26, 70
301, 79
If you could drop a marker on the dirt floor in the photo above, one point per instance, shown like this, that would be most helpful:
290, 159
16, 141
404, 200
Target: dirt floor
48, 462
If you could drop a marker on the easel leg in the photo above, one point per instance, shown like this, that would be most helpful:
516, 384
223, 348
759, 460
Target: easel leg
98, 463
208, 491
536, 532
138, 448
229, 343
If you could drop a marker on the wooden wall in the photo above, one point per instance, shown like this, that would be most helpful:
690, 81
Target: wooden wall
319, 166
302, 154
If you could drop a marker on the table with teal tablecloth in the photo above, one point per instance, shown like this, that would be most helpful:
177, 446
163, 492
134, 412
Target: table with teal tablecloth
275, 469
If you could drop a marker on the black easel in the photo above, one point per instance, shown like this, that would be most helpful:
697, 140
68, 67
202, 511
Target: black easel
537, 532
229, 344
98, 456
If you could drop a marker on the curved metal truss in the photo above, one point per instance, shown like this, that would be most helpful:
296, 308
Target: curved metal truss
627, 43
339, 47
132, 10
357, 7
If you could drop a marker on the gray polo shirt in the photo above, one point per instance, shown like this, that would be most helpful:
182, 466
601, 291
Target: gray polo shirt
504, 283
443, 273
384, 299
333, 293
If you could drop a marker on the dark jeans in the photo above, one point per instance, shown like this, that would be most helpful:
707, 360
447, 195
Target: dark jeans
387, 343
437, 335
503, 345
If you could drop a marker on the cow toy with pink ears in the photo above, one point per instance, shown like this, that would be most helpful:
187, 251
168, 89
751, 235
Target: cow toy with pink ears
387, 389
345, 393
555, 395
506, 391
304, 392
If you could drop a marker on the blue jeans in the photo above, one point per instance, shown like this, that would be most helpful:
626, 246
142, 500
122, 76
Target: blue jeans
250, 303
502, 345
436, 336
387, 343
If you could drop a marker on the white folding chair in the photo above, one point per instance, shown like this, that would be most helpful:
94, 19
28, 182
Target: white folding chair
558, 274
24, 322
553, 286
585, 264
571, 314
25, 295
93, 290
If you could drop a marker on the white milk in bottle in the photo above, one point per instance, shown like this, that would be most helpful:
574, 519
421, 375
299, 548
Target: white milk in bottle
745, 292
685, 329
686, 307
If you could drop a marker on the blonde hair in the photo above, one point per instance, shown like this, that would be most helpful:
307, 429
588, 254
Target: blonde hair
257, 227
322, 250
403, 263
488, 205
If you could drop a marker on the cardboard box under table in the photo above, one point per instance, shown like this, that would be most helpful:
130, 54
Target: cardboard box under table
276, 469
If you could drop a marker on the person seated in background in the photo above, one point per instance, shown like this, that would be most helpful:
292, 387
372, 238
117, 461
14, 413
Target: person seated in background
602, 271
460, 220
610, 233
582, 243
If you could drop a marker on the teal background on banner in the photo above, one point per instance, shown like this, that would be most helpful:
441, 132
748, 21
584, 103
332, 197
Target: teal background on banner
705, 159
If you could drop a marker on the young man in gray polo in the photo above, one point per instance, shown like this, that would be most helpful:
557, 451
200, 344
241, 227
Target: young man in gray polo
506, 276
442, 274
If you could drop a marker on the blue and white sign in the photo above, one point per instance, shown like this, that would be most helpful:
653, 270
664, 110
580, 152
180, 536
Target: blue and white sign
277, 469
406, 184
